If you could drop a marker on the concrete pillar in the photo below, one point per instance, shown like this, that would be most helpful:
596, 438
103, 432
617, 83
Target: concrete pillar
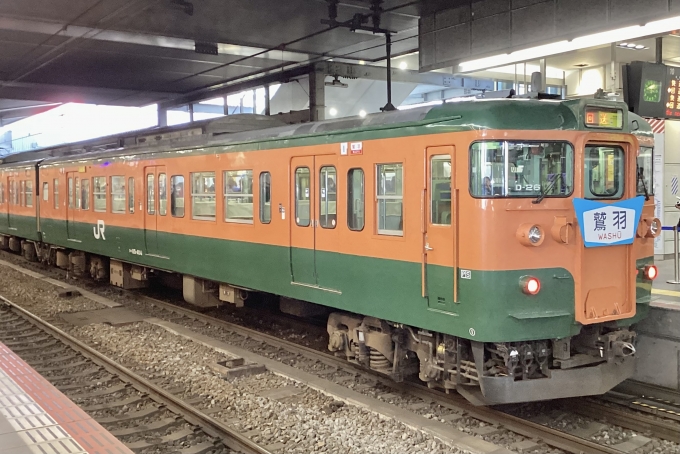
317, 95
162, 117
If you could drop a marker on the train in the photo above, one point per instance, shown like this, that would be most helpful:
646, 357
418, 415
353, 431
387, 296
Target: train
502, 248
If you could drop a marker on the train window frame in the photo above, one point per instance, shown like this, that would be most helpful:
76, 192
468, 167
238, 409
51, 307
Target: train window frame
85, 194
308, 195
325, 220
245, 179
131, 195
569, 163
151, 194
162, 194
352, 200
265, 198
55, 192
29, 194
202, 177
385, 195
618, 172
99, 194
436, 214
174, 209
118, 194
645, 162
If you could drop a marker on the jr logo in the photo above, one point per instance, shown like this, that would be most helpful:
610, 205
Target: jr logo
99, 230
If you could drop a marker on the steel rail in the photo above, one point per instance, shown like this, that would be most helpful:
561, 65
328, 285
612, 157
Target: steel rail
231, 438
550, 436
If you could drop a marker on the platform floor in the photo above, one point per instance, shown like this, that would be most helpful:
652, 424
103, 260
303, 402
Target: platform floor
35, 417
665, 294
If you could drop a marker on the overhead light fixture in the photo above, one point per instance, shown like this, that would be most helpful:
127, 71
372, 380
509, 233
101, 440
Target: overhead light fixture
362, 113
336, 83
583, 42
403, 65
632, 46
333, 111
361, 62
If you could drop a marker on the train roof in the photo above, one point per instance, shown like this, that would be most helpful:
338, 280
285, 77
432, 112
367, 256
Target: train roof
251, 132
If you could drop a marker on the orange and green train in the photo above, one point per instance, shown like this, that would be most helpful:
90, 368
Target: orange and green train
442, 241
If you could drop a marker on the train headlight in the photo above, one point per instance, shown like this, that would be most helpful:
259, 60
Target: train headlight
530, 235
530, 285
651, 272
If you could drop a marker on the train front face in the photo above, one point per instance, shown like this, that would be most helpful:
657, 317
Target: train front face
572, 213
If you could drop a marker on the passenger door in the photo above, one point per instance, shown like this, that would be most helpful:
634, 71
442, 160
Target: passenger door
156, 206
326, 228
440, 275
302, 224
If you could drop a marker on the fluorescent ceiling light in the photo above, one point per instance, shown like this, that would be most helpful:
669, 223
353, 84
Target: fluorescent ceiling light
403, 65
582, 42
362, 113
333, 111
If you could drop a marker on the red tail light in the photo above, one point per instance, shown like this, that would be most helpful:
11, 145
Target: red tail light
651, 272
530, 285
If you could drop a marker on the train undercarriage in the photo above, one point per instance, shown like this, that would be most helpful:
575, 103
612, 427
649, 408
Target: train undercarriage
590, 363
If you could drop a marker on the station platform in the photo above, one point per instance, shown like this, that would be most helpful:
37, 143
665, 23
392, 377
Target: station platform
35, 417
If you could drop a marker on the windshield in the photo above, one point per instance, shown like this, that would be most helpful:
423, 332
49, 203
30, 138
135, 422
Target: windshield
645, 163
521, 169
604, 172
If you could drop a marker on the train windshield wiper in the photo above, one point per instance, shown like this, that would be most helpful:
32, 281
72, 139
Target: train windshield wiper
545, 192
641, 179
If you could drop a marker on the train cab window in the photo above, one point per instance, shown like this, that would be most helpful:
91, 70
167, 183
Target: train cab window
390, 199
265, 198
99, 192
238, 196
177, 196
151, 194
45, 192
203, 196
55, 193
162, 194
85, 194
440, 190
302, 197
604, 172
355, 199
521, 169
328, 216
131, 194
645, 171
118, 195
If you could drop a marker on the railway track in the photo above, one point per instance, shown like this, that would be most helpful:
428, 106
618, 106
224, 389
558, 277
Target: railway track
552, 437
142, 415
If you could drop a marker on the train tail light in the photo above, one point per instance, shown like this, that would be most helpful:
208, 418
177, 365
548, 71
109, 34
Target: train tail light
651, 272
530, 285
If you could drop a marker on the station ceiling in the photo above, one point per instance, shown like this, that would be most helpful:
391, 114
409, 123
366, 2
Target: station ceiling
138, 52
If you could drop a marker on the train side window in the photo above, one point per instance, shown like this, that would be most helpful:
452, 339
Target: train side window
150, 194
29, 193
328, 210
265, 198
70, 192
2, 193
118, 194
131, 194
177, 196
302, 196
440, 190
238, 196
55, 193
15, 193
76, 195
99, 191
355, 199
390, 199
162, 194
46, 192
85, 194
203, 204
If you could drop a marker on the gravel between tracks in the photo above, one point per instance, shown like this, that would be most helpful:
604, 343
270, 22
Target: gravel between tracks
304, 424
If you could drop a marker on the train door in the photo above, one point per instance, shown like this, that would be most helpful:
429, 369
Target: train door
302, 221
71, 178
326, 205
440, 275
155, 183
